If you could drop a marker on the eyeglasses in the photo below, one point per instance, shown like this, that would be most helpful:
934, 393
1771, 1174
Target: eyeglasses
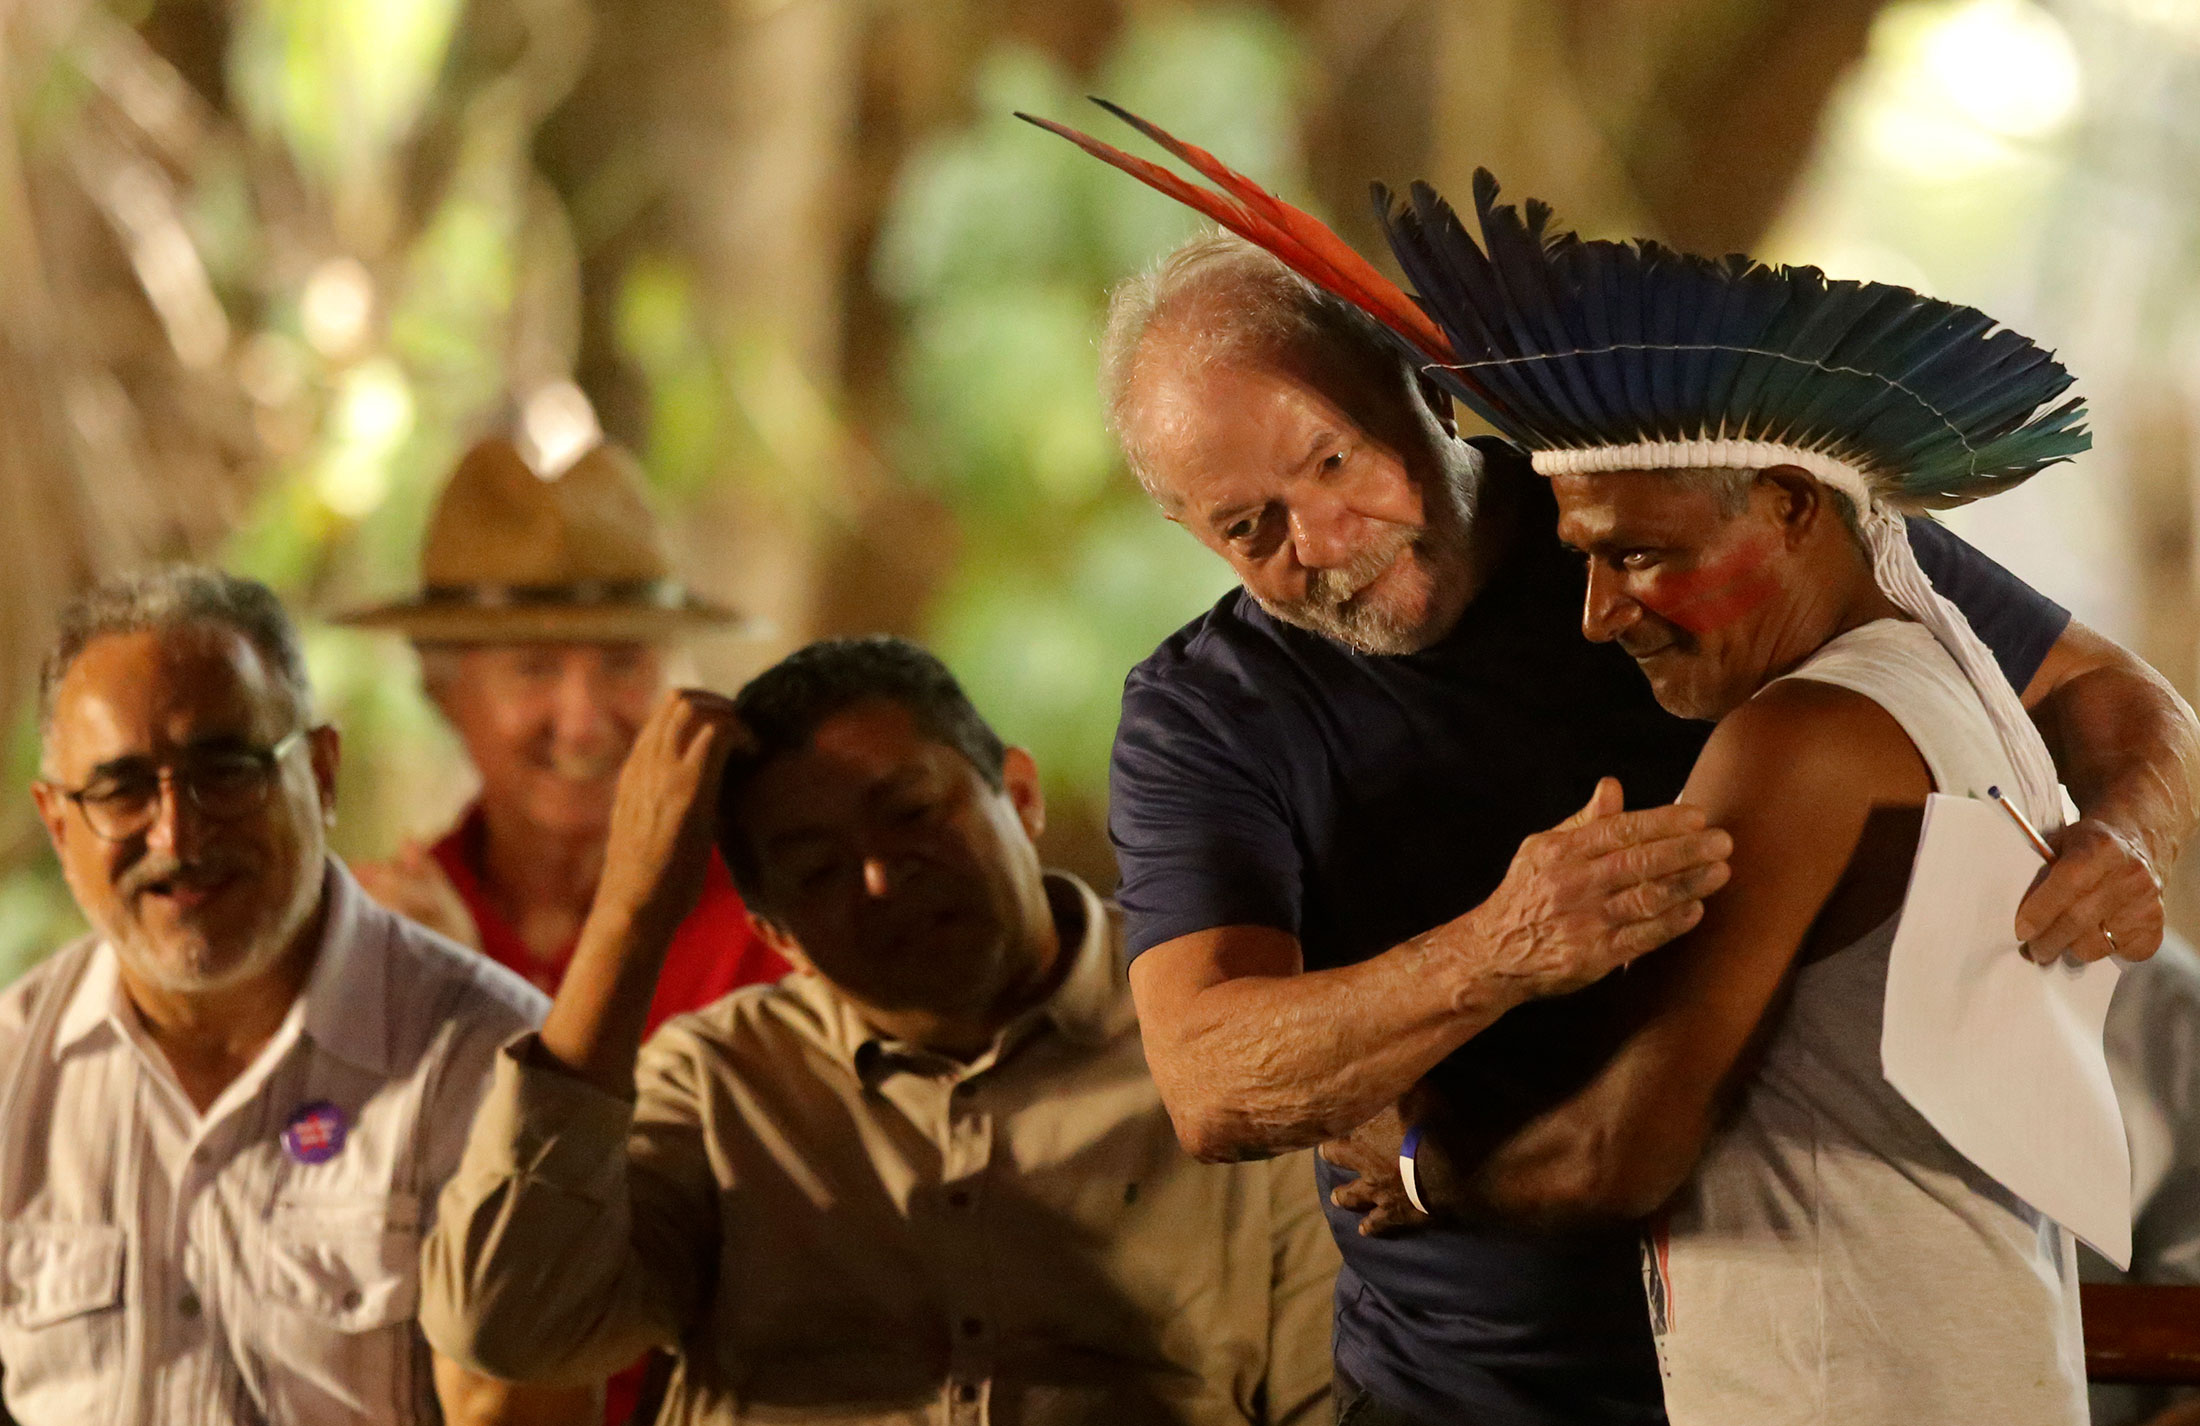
224, 785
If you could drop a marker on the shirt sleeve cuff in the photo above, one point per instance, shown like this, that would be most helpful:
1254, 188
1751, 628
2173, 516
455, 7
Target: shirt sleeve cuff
543, 1121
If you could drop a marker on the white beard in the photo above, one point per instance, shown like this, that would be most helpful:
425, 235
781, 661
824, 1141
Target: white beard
204, 973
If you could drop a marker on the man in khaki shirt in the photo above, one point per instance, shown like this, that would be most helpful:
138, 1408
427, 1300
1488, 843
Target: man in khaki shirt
926, 1178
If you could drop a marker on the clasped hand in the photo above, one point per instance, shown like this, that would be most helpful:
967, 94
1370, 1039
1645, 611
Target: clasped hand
663, 819
1378, 1191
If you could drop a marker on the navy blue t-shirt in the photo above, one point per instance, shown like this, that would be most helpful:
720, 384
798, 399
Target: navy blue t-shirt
1267, 776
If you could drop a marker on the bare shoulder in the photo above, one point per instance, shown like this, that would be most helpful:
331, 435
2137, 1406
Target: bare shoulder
1807, 745
1814, 782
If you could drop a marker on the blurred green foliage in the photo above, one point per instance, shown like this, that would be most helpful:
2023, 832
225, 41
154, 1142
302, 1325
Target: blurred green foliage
360, 422
1000, 244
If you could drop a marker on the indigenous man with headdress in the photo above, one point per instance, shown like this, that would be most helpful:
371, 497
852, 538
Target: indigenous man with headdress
1327, 791
543, 627
1732, 469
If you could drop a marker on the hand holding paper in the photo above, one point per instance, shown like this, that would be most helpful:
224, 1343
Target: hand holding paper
2001, 1056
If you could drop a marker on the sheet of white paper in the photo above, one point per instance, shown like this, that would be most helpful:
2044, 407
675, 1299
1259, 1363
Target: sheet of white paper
2002, 1056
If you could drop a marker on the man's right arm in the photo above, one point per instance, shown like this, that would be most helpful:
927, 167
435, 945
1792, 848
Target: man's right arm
1255, 1055
580, 1226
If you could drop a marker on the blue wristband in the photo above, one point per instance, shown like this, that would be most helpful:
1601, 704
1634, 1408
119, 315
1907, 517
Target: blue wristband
1407, 1171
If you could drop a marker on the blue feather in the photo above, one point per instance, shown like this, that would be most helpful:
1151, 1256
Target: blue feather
1591, 343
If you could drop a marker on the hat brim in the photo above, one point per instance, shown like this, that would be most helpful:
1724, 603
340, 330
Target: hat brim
451, 623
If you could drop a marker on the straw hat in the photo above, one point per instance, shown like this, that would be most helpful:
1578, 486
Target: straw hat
513, 558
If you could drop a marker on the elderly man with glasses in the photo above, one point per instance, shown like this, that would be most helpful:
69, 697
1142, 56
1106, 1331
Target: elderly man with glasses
226, 1113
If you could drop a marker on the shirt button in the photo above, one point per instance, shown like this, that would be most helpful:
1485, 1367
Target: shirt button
966, 1391
352, 1299
958, 1198
188, 1304
972, 1327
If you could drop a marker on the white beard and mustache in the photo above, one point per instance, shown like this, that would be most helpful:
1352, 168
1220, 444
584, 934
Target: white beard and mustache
205, 968
1328, 608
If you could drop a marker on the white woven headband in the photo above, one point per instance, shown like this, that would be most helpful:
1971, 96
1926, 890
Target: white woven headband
1706, 455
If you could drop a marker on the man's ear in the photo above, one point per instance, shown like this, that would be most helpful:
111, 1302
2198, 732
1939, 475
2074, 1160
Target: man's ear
53, 809
1020, 780
780, 939
1799, 500
326, 747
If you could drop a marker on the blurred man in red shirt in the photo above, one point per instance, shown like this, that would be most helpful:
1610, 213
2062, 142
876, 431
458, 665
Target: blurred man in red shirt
542, 622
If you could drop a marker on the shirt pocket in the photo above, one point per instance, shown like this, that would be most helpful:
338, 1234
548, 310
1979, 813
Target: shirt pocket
343, 1278
61, 1318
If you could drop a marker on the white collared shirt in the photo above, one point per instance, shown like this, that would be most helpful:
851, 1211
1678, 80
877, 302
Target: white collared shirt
164, 1267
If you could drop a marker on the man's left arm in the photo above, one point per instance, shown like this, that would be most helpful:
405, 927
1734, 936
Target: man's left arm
2124, 743
2128, 748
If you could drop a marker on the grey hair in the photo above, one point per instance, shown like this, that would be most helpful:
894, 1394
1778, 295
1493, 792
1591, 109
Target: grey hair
1226, 299
1730, 488
171, 598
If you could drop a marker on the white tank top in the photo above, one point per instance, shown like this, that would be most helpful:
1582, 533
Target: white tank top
1834, 1260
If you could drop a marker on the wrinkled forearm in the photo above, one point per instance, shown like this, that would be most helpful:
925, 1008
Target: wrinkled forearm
529, 1273
2128, 747
1259, 1065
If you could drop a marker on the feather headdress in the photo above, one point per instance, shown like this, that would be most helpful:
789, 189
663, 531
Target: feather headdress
1606, 356
1600, 352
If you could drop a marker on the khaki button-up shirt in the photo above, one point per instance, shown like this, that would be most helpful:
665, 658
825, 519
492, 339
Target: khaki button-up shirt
171, 1268
828, 1226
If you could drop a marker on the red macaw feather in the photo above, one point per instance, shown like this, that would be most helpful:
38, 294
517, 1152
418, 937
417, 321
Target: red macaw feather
1302, 241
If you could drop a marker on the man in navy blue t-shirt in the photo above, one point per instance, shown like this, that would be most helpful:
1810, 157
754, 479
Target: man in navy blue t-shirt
1365, 831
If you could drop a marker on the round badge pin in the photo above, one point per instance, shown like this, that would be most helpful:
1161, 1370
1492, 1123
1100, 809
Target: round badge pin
315, 1133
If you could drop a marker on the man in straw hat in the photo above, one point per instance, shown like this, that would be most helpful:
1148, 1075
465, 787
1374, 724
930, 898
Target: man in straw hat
1330, 792
541, 626
542, 623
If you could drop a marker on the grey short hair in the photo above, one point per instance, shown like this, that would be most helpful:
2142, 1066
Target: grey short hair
1730, 488
1228, 300
172, 598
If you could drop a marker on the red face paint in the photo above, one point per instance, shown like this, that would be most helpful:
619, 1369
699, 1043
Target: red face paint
1712, 596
